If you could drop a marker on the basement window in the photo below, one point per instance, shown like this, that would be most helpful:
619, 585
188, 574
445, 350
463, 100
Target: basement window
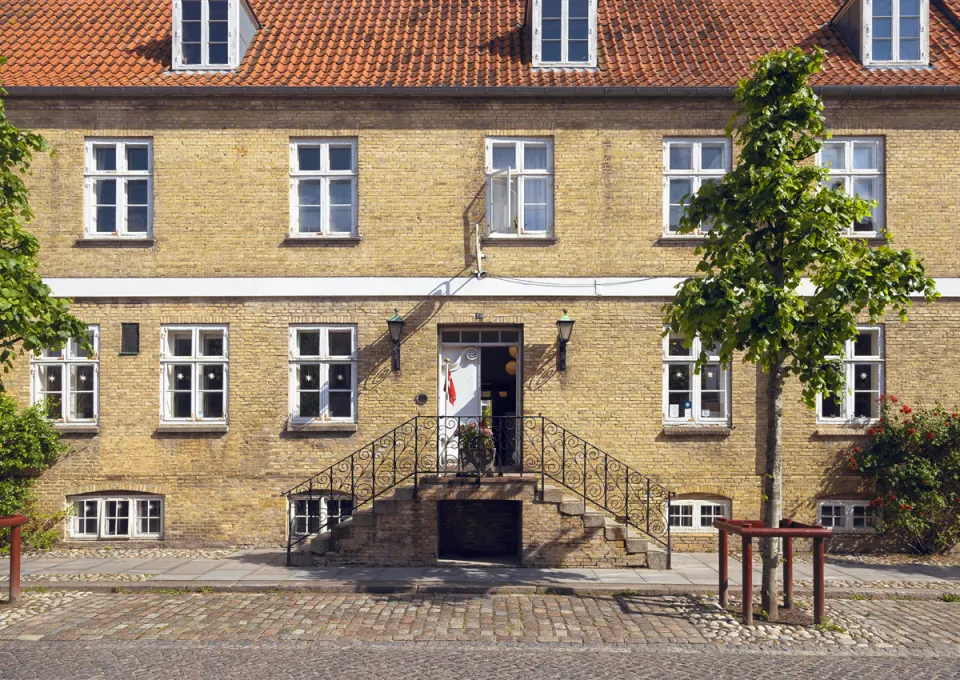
313, 514
846, 515
115, 516
697, 515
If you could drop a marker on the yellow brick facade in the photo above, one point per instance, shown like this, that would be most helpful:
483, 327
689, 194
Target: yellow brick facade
221, 187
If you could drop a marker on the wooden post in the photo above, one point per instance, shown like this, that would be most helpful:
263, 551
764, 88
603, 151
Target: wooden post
724, 574
818, 586
14, 564
747, 581
787, 572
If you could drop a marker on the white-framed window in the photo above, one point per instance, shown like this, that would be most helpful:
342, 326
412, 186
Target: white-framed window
194, 374
697, 514
316, 513
565, 33
856, 166
846, 515
688, 397
896, 31
323, 187
687, 165
67, 380
863, 371
211, 35
519, 187
115, 516
323, 374
118, 188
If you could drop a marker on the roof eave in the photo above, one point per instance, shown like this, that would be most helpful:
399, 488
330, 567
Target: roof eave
309, 91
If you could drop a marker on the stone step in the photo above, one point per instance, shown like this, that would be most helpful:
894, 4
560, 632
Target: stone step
636, 546
594, 520
551, 494
403, 493
613, 530
656, 557
321, 544
385, 507
362, 518
570, 506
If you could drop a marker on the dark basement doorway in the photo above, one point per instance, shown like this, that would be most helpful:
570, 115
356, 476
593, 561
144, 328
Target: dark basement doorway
479, 531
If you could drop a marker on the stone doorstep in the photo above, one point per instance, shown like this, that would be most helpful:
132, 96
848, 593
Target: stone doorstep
594, 520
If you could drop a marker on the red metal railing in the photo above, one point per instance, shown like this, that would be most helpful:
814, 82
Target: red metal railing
14, 522
789, 530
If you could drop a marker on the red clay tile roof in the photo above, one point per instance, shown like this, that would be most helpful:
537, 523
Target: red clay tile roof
452, 43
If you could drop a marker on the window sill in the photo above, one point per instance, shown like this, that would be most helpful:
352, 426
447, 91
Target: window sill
77, 428
115, 241
321, 240
192, 427
843, 430
518, 240
321, 427
681, 240
697, 430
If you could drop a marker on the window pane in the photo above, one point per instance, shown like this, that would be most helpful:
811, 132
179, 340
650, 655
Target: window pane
182, 376
82, 378
551, 51
341, 343
211, 343
675, 348
578, 51
308, 158
218, 53
712, 157
218, 10
867, 344
137, 219
191, 10
138, 158
309, 405
212, 378
192, 32
341, 158
106, 191
552, 29
341, 219
106, 219
909, 8
866, 188
882, 28
504, 156
137, 193
181, 343
470, 336
909, 50
865, 156
340, 405
679, 190
308, 343
341, 192
883, 50
310, 192
679, 377
577, 30
830, 407
832, 156
192, 52
340, 377
909, 28
213, 404
537, 200
711, 377
310, 220
552, 8
681, 157
106, 157
534, 157
218, 32
503, 211
711, 405
310, 377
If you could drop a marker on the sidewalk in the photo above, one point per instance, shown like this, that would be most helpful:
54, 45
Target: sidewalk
262, 569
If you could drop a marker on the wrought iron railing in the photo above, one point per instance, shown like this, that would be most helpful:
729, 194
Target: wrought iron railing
457, 445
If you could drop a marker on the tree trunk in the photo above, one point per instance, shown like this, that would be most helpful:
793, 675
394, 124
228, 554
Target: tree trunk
773, 490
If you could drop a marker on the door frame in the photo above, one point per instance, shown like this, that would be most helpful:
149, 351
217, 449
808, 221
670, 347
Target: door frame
441, 375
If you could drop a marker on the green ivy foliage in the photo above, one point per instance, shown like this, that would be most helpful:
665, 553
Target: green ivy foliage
914, 453
775, 224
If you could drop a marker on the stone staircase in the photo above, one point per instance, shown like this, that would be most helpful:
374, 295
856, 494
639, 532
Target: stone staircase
557, 529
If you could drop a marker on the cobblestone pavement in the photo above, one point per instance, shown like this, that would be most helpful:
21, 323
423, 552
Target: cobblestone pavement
442, 661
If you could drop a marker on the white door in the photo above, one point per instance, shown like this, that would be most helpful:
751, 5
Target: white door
458, 398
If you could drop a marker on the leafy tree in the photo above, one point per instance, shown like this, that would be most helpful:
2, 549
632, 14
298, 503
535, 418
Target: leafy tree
30, 318
29, 444
915, 456
776, 224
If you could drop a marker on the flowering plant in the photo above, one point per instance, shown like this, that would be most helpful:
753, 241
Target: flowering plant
476, 445
914, 453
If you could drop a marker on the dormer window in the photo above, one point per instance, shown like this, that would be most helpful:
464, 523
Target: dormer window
898, 31
211, 34
565, 33
886, 33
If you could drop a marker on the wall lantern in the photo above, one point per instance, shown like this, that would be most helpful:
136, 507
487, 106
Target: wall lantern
395, 324
565, 328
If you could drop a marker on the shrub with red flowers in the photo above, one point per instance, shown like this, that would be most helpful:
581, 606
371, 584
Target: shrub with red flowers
915, 455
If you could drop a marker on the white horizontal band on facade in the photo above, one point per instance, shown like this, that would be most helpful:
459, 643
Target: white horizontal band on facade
389, 287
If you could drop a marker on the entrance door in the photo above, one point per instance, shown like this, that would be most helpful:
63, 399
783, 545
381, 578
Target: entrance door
479, 373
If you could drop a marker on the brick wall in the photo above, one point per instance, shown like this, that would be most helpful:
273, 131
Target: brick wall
221, 182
